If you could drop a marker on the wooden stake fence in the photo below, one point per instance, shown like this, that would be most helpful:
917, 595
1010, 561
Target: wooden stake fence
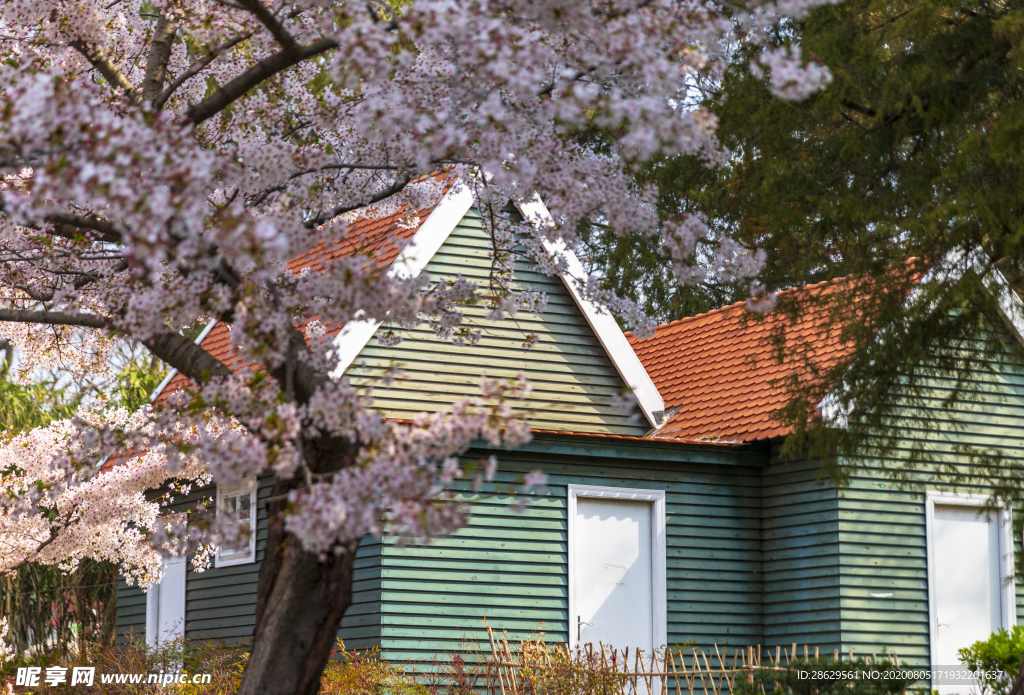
537, 668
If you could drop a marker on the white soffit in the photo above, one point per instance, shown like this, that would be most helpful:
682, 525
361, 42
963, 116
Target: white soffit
602, 322
434, 231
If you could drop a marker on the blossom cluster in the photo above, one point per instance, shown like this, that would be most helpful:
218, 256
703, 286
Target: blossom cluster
66, 499
164, 162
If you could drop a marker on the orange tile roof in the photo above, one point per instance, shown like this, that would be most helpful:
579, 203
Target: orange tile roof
719, 372
379, 239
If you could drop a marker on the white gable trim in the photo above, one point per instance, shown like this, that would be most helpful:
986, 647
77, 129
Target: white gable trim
602, 323
951, 268
434, 231
351, 340
171, 374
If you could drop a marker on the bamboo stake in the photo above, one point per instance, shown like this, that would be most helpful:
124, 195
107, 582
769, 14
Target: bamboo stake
638, 667
625, 666
690, 675
604, 667
675, 672
697, 670
724, 674
508, 654
496, 657
707, 667
665, 658
533, 667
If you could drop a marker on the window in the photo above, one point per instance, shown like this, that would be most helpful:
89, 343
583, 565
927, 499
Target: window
238, 503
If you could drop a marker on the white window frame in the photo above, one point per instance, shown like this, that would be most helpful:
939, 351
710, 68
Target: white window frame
659, 602
1007, 589
239, 558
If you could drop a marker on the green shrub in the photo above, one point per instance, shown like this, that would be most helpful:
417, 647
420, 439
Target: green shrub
997, 658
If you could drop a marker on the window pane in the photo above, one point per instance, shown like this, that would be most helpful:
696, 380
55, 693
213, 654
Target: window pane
244, 506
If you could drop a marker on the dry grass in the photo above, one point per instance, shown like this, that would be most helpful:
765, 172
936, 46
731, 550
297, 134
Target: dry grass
348, 673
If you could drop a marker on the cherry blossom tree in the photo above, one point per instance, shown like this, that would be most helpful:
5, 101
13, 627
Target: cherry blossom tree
163, 160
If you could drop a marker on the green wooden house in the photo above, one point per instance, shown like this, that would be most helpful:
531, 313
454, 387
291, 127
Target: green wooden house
682, 525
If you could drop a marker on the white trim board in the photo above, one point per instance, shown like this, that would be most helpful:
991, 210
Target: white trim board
1008, 592
355, 335
615, 344
659, 593
434, 231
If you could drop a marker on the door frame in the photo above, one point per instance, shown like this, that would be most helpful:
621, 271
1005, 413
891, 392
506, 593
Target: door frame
1007, 589
659, 603
173, 585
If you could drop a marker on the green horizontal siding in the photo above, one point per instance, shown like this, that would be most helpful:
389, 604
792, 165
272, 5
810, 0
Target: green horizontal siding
220, 603
131, 613
513, 569
882, 532
801, 556
572, 377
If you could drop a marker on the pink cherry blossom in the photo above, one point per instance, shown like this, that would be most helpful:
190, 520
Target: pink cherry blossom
168, 161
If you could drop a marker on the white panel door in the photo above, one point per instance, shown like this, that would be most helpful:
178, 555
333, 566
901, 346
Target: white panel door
966, 581
165, 604
612, 574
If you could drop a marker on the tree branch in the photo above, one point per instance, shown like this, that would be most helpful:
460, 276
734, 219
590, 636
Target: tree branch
81, 280
185, 356
262, 195
268, 67
268, 20
108, 232
103, 63
159, 56
197, 67
54, 318
325, 217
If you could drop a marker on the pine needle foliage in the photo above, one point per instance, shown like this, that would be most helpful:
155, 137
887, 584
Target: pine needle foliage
911, 156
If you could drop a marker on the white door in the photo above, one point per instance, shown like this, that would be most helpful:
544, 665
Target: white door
612, 573
165, 604
965, 576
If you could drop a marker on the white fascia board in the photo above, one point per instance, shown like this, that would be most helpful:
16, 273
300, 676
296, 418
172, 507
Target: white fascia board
601, 321
950, 269
434, 231
1009, 302
171, 374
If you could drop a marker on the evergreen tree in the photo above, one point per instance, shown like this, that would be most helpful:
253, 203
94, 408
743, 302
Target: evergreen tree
911, 155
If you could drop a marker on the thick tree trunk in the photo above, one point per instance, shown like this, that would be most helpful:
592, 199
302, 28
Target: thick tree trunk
301, 599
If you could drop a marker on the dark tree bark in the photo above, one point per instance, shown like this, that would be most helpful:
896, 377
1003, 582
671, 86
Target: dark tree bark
300, 601
301, 597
